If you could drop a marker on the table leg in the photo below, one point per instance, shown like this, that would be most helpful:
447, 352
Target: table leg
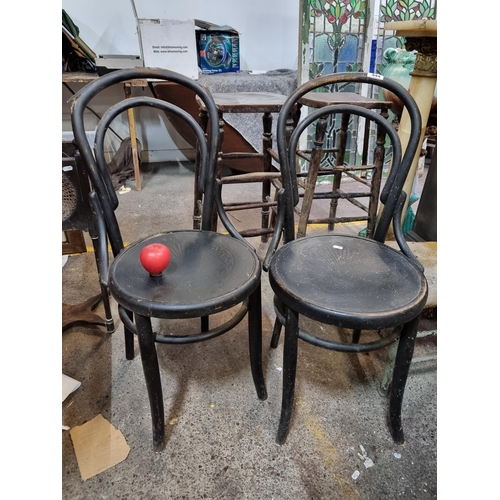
378, 164
339, 162
312, 176
267, 143
133, 139
198, 195
218, 168
366, 142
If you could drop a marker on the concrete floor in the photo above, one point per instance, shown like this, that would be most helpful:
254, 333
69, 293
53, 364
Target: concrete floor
220, 440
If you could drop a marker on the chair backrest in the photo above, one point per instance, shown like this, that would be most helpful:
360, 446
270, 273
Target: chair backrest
94, 158
392, 195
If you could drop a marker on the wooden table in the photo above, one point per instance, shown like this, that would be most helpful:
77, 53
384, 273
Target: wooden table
82, 77
262, 103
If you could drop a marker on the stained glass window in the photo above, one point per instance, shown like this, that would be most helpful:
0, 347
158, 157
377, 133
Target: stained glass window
343, 35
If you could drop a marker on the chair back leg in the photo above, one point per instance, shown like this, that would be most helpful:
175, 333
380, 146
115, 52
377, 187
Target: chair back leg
290, 351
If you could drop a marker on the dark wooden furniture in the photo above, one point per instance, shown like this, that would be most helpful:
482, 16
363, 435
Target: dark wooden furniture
73, 242
234, 141
77, 217
264, 103
350, 282
209, 272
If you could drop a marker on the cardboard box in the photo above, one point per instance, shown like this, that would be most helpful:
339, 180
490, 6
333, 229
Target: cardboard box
169, 44
218, 48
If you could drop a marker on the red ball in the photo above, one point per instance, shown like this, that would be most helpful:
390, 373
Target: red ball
155, 257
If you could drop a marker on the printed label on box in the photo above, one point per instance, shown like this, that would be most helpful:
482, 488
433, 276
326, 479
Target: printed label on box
169, 44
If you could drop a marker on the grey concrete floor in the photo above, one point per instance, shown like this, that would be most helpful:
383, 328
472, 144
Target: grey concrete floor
220, 439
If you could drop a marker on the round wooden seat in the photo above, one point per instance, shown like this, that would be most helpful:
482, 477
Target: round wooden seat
206, 269
348, 281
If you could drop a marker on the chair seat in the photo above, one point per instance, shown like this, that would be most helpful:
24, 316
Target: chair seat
320, 99
206, 270
348, 281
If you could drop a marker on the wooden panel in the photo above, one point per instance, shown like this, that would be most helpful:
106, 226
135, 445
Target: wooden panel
234, 142
73, 242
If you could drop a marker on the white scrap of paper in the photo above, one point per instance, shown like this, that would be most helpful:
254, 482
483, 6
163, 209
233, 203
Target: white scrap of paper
69, 385
355, 474
397, 455
368, 462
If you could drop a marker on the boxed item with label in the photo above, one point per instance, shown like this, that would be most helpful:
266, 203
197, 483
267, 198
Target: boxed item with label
169, 44
218, 48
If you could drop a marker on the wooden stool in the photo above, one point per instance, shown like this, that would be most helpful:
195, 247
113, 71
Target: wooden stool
358, 173
263, 103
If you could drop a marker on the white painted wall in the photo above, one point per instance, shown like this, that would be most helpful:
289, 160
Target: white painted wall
268, 29
268, 40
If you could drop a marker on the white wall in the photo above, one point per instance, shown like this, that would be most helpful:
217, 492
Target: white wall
268, 29
268, 40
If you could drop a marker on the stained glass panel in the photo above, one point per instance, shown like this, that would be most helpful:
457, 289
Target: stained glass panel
349, 35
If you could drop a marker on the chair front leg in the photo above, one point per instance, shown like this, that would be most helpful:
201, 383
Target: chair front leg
255, 341
401, 368
290, 350
151, 370
129, 339
276, 333
277, 323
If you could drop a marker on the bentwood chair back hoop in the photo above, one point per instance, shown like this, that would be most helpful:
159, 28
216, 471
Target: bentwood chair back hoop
209, 272
350, 282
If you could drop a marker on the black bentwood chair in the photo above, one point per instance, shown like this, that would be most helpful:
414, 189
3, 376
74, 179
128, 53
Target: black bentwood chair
347, 281
209, 272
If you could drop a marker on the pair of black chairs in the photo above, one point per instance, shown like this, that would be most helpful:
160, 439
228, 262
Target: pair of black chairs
353, 282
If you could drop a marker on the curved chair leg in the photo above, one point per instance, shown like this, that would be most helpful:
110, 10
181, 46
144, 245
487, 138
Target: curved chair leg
389, 367
400, 375
151, 369
204, 324
277, 327
290, 350
129, 339
255, 341
356, 334
276, 333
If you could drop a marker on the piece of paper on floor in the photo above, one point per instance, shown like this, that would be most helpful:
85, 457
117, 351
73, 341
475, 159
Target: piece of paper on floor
98, 446
68, 386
